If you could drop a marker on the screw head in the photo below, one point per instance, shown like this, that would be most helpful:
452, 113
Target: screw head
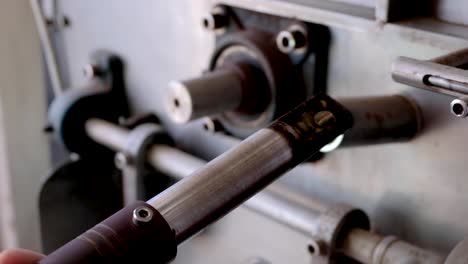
291, 40
215, 20
459, 107
142, 215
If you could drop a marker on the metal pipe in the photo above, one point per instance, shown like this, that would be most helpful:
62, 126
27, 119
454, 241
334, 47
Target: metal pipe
377, 120
226, 178
454, 59
431, 76
276, 202
381, 119
107, 134
239, 173
368, 247
49, 54
211, 94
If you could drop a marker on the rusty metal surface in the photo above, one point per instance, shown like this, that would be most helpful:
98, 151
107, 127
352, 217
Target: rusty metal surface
412, 190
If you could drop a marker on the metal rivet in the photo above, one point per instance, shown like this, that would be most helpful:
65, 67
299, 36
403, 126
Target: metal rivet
142, 214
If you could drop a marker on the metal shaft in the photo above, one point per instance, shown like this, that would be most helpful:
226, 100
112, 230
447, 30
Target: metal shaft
277, 203
107, 134
210, 94
381, 119
455, 59
438, 75
230, 179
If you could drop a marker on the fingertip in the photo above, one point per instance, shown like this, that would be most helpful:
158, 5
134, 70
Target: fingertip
19, 256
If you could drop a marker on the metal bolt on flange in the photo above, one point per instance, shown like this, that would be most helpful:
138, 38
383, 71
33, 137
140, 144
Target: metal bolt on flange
91, 70
142, 215
315, 247
212, 125
459, 107
291, 40
121, 160
216, 19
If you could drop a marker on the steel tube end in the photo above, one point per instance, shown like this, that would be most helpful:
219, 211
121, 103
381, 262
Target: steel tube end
179, 104
211, 94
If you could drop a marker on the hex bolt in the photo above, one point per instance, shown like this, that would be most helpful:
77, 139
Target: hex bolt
92, 70
291, 40
215, 20
142, 215
459, 107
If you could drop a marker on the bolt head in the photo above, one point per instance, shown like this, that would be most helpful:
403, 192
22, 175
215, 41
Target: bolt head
459, 107
142, 215
291, 40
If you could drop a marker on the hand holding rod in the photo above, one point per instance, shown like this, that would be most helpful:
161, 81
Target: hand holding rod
152, 230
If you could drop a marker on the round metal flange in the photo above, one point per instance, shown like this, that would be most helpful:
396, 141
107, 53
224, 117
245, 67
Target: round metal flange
333, 225
69, 113
258, 48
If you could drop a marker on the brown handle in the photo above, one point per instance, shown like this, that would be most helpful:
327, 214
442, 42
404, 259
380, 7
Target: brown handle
137, 232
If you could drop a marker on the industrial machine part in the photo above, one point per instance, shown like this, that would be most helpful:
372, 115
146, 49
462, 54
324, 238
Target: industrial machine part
334, 229
104, 97
382, 119
255, 73
377, 120
174, 215
446, 75
69, 112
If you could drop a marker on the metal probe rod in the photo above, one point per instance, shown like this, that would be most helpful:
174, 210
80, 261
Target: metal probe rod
230, 179
154, 229
276, 202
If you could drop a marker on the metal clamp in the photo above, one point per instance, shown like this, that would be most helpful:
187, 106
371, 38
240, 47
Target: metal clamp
132, 159
332, 226
444, 75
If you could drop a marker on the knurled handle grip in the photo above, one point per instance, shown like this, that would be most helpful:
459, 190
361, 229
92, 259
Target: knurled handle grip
137, 232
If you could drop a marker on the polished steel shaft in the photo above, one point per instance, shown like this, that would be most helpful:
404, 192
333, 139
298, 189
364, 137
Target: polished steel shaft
230, 179
211, 94
276, 202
